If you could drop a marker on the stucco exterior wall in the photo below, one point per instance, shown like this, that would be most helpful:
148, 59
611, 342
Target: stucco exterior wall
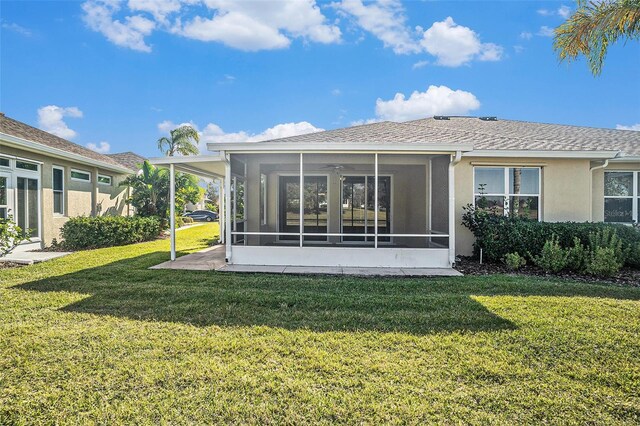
80, 198
570, 191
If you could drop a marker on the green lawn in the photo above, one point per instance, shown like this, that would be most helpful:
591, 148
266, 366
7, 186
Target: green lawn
96, 337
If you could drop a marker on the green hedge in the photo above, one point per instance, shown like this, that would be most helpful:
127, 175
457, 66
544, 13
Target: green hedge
106, 231
500, 235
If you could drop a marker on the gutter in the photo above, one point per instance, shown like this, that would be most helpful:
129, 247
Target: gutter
60, 153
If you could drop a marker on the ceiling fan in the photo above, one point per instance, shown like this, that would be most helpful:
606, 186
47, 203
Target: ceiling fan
337, 167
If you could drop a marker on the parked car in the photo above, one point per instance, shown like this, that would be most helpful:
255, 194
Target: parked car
202, 215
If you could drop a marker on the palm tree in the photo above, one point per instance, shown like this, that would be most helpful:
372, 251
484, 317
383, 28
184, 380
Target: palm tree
180, 142
593, 27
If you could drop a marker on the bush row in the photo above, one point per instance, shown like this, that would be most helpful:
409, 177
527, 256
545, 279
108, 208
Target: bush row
105, 231
499, 235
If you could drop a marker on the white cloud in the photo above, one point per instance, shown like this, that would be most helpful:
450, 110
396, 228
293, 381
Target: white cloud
635, 127
130, 33
563, 12
436, 100
545, 31
362, 122
159, 9
167, 125
50, 119
253, 26
518, 48
454, 45
385, 20
101, 148
336, 92
16, 28
526, 35
419, 64
214, 133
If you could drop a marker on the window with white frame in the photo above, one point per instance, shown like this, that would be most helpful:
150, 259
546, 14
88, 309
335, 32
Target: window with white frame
5, 162
621, 197
80, 175
104, 180
508, 190
4, 207
26, 165
58, 190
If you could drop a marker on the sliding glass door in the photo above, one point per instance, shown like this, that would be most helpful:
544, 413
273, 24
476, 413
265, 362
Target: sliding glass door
358, 207
315, 207
27, 211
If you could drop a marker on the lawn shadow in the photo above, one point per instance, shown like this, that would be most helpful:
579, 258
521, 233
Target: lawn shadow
126, 288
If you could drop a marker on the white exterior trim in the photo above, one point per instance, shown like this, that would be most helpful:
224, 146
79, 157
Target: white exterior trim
356, 148
59, 153
513, 153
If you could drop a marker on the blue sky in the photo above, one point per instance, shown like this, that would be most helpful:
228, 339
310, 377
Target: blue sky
116, 75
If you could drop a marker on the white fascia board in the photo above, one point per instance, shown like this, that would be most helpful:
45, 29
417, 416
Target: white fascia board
36, 147
289, 147
189, 164
542, 154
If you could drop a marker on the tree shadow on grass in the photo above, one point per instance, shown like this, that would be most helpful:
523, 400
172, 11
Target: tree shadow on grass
126, 288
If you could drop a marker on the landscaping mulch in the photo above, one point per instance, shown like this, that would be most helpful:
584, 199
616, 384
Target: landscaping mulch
471, 266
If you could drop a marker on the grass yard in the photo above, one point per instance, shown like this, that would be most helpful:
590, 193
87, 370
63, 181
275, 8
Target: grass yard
96, 337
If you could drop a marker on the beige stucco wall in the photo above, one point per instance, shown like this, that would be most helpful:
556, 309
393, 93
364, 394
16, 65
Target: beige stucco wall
80, 198
570, 191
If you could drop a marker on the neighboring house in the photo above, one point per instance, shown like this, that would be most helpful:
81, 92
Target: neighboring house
45, 180
392, 194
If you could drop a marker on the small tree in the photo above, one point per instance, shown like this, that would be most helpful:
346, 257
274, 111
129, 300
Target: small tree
150, 191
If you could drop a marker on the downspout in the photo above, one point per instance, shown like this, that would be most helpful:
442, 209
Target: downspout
455, 159
591, 169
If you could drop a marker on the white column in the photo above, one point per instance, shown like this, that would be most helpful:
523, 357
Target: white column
234, 207
172, 209
227, 207
301, 198
221, 209
375, 202
452, 212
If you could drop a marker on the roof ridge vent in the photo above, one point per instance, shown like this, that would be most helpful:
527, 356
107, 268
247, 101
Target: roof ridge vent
488, 118
441, 117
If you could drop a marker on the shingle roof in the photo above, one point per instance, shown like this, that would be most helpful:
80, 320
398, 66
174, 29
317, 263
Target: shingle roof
482, 134
128, 159
21, 130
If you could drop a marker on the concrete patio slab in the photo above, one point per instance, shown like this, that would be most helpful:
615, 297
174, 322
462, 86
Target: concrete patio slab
24, 254
431, 272
209, 259
313, 270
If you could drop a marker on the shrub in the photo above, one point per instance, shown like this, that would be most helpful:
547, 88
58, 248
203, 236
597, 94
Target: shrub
577, 256
106, 231
498, 235
608, 238
603, 261
10, 236
187, 220
514, 261
553, 257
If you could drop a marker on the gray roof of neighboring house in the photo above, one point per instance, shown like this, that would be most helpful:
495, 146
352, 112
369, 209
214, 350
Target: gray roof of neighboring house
128, 159
21, 130
482, 134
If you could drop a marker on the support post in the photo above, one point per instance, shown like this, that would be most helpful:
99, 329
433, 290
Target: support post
376, 201
227, 207
234, 207
221, 209
301, 197
172, 209
452, 205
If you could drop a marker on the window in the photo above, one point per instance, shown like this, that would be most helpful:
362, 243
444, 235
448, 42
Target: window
80, 175
58, 190
621, 197
4, 162
104, 180
508, 190
263, 199
26, 165
4, 209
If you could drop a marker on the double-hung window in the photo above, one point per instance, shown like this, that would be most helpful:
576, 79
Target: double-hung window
512, 191
621, 197
58, 190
